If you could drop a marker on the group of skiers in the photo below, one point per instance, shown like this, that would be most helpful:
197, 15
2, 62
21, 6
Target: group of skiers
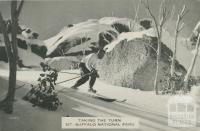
43, 94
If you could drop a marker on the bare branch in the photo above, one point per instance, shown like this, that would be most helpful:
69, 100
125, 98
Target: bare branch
178, 28
171, 15
146, 5
181, 27
20, 8
160, 11
183, 12
163, 13
136, 13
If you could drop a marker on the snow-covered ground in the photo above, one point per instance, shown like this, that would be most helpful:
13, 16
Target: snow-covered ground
145, 100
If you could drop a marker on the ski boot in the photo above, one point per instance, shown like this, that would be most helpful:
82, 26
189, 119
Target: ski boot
74, 87
92, 90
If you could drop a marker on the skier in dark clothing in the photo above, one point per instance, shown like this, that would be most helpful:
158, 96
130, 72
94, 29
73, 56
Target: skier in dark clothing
88, 70
46, 81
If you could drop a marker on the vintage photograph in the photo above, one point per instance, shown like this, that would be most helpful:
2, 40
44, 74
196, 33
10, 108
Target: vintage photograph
110, 65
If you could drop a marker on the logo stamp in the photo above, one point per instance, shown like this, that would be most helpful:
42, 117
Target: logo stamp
182, 111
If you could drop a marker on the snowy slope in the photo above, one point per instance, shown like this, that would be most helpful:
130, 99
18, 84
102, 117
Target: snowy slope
89, 29
147, 99
139, 99
27, 56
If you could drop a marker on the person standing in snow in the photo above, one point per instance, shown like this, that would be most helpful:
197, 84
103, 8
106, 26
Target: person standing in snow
88, 70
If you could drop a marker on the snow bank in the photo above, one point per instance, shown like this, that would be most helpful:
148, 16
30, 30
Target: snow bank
89, 29
3, 65
28, 57
130, 36
63, 63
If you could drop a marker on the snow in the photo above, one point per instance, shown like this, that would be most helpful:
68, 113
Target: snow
134, 97
27, 56
89, 29
195, 92
143, 100
196, 30
130, 36
31, 41
195, 51
111, 20
4, 65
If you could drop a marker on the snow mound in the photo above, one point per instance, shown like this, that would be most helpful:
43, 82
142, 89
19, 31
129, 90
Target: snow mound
88, 29
26, 52
130, 36
28, 57
61, 63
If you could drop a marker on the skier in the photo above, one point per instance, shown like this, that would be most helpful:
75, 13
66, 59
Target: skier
44, 66
88, 70
46, 81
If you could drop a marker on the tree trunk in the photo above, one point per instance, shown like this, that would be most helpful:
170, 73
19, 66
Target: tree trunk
157, 64
172, 72
156, 77
190, 69
11, 47
8, 101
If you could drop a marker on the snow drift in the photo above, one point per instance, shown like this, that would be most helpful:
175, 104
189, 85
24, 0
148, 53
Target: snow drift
85, 34
30, 51
61, 63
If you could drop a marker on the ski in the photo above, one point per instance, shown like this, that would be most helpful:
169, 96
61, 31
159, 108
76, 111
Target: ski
106, 98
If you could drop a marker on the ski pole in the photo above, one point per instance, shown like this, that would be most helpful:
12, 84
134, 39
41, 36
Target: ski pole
68, 80
69, 73
73, 78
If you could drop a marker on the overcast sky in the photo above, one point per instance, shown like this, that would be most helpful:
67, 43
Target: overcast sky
49, 17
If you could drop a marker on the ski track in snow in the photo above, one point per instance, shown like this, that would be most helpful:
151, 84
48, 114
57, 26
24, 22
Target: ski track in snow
143, 100
134, 97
